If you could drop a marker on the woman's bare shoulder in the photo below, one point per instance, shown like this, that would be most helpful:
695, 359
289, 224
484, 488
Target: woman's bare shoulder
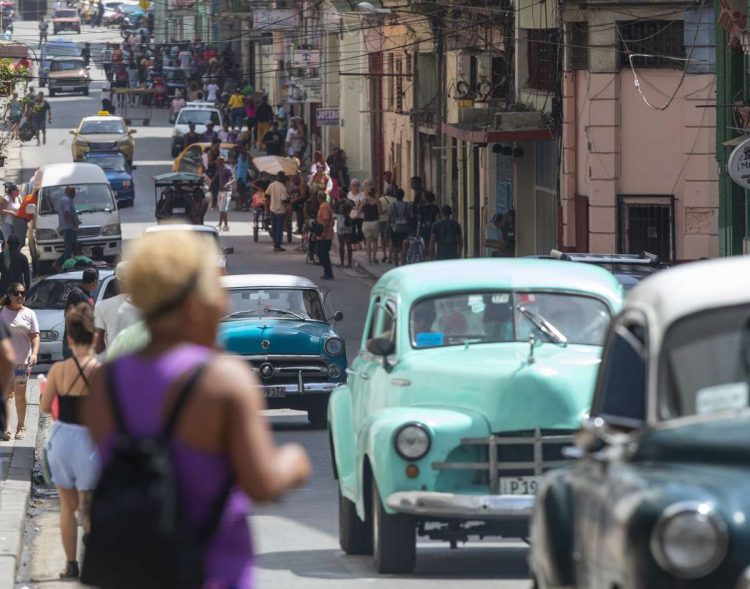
229, 377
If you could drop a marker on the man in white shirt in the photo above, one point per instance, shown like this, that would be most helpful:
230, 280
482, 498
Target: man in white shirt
279, 196
185, 59
114, 314
212, 91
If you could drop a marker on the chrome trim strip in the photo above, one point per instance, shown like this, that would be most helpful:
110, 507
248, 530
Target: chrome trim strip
500, 466
468, 507
308, 387
282, 357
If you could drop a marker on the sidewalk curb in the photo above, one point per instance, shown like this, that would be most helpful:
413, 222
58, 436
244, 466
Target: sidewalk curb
14, 495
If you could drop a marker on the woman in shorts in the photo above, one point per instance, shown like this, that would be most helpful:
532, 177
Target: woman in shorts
24, 334
71, 455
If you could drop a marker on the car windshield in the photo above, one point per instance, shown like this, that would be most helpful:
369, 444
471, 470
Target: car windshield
51, 294
89, 198
101, 127
62, 50
705, 363
490, 317
279, 303
66, 66
66, 14
174, 75
197, 116
115, 162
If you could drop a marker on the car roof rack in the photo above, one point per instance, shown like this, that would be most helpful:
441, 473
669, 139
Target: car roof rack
642, 259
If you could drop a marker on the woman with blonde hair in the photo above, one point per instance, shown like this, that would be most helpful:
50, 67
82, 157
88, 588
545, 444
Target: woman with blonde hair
219, 434
71, 456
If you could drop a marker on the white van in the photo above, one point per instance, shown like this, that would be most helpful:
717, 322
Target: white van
96, 206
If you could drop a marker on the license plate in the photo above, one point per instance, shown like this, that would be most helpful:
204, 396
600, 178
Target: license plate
518, 485
274, 392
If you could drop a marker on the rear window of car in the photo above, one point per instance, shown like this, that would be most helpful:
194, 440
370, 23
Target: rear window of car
197, 116
66, 66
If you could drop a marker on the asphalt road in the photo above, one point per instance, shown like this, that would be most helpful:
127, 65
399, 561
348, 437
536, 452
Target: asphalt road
296, 539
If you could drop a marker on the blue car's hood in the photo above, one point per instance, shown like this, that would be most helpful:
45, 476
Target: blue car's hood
285, 336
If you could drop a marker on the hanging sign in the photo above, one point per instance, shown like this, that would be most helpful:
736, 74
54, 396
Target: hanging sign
327, 116
739, 164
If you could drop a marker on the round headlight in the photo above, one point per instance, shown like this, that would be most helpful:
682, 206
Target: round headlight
333, 346
689, 540
412, 441
334, 371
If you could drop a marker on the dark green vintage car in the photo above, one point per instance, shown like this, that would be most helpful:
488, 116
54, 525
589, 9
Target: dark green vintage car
661, 495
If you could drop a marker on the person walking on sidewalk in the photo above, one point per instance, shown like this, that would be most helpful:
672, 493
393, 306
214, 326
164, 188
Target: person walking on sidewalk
325, 218
43, 28
24, 334
264, 118
400, 215
343, 208
446, 241
72, 458
370, 225
278, 196
7, 361
221, 444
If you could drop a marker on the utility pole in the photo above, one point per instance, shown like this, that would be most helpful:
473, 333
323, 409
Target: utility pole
437, 24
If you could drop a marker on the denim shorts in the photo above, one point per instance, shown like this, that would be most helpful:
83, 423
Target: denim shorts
72, 457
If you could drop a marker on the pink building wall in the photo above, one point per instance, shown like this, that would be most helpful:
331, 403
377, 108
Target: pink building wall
613, 143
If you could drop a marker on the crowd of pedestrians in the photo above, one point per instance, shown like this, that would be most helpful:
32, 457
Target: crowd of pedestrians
328, 204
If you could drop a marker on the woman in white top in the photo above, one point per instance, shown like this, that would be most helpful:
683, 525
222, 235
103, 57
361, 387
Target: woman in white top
178, 103
24, 334
10, 204
358, 198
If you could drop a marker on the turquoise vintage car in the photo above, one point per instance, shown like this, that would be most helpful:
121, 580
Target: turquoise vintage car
661, 496
280, 324
471, 377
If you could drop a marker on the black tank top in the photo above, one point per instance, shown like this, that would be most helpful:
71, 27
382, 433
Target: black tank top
370, 212
70, 405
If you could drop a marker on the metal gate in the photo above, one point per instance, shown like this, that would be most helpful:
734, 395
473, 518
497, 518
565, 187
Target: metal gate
646, 224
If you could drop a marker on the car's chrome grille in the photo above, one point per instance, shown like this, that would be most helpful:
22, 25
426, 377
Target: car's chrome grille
279, 369
512, 454
103, 145
89, 231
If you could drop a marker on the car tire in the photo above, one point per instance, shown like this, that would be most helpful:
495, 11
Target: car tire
317, 411
355, 535
51, 93
394, 539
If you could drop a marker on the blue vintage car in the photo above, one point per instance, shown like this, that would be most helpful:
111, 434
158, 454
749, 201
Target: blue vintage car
281, 326
471, 378
661, 496
119, 173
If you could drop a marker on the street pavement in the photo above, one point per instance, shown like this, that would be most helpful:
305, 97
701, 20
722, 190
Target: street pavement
297, 538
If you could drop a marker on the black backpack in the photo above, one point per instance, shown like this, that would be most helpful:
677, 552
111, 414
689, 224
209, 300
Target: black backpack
140, 535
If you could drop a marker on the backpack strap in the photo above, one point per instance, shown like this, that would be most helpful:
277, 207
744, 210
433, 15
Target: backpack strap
183, 395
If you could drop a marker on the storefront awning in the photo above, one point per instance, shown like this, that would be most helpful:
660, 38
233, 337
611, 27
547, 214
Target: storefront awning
471, 134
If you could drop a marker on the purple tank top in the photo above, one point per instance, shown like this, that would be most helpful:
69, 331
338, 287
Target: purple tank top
142, 386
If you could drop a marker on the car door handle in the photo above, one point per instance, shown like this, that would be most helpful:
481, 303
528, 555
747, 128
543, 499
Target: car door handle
364, 375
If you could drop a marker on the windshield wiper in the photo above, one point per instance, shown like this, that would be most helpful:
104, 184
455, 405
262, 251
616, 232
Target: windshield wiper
283, 312
544, 326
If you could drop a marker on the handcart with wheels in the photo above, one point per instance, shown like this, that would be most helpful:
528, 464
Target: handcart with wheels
145, 98
174, 195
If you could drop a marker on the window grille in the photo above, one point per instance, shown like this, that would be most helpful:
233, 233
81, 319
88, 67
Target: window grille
542, 58
578, 45
660, 40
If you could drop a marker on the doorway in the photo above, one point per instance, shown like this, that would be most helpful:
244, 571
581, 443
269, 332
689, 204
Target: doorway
646, 224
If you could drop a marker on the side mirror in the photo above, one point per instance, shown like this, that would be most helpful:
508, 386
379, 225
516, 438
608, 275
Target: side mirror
228, 250
337, 316
31, 209
73, 132
380, 346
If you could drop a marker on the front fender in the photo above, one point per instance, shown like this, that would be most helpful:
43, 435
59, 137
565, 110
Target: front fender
375, 444
341, 431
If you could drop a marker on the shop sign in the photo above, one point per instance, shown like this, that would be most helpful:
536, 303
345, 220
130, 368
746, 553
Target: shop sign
327, 117
307, 58
739, 164
275, 19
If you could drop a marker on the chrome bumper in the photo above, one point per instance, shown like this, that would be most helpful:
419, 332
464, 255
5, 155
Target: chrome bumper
465, 507
273, 391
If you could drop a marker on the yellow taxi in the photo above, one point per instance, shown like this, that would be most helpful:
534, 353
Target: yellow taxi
191, 158
103, 132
